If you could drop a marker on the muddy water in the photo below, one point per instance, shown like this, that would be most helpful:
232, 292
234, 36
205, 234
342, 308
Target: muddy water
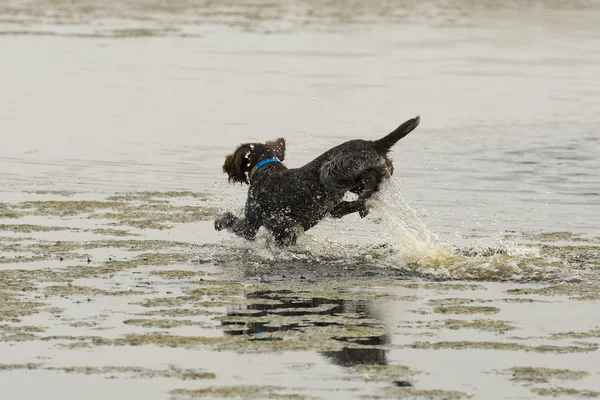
476, 274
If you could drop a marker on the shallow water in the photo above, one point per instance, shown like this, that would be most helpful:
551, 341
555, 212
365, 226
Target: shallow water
498, 184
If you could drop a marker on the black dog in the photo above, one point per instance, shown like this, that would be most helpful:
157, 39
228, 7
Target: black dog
287, 201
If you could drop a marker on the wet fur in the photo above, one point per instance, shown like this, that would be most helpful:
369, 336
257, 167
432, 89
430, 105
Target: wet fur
288, 201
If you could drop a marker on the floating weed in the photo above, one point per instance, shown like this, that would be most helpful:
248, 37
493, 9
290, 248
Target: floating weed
79, 342
15, 367
63, 208
164, 323
454, 301
113, 232
554, 236
588, 297
559, 391
8, 211
487, 325
83, 324
428, 394
383, 373
466, 310
137, 372
65, 193
28, 228
520, 300
503, 346
594, 333
174, 301
22, 328
151, 195
442, 286
13, 310
20, 259
559, 290
134, 245
73, 290
18, 333
158, 215
176, 312
158, 339
543, 375
177, 274
241, 391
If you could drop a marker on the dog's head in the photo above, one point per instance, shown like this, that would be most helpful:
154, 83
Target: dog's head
239, 164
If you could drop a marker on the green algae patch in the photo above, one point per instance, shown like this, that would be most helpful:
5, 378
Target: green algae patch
163, 323
176, 312
163, 340
64, 193
426, 394
503, 346
151, 195
113, 266
223, 288
28, 228
136, 372
559, 290
12, 310
555, 236
486, 325
66, 208
559, 391
382, 373
594, 333
20, 259
139, 372
174, 301
79, 342
455, 301
73, 290
593, 297
157, 215
16, 367
521, 301
21, 328
18, 333
134, 244
113, 232
177, 274
442, 286
544, 375
466, 310
7, 211
83, 324
240, 391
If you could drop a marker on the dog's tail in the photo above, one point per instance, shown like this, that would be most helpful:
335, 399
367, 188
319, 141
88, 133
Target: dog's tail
384, 144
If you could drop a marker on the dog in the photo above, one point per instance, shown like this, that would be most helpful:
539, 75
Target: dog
289, 201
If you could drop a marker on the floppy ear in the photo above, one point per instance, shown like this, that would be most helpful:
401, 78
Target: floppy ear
279, 146
233, 167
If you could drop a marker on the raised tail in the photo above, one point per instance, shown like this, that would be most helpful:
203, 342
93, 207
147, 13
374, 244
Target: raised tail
384, 144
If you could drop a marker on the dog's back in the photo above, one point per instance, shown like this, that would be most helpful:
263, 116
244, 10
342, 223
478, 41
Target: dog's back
344, 167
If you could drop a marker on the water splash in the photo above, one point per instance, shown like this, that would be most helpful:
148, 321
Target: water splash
420, 250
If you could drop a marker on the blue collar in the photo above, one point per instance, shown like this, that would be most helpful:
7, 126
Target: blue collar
260, 164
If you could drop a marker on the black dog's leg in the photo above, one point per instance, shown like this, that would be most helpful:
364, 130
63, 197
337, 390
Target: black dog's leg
370, 181
349, 207
242, 227
285, 236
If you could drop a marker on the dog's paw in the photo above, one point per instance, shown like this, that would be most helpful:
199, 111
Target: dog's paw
364, 211
224, 221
